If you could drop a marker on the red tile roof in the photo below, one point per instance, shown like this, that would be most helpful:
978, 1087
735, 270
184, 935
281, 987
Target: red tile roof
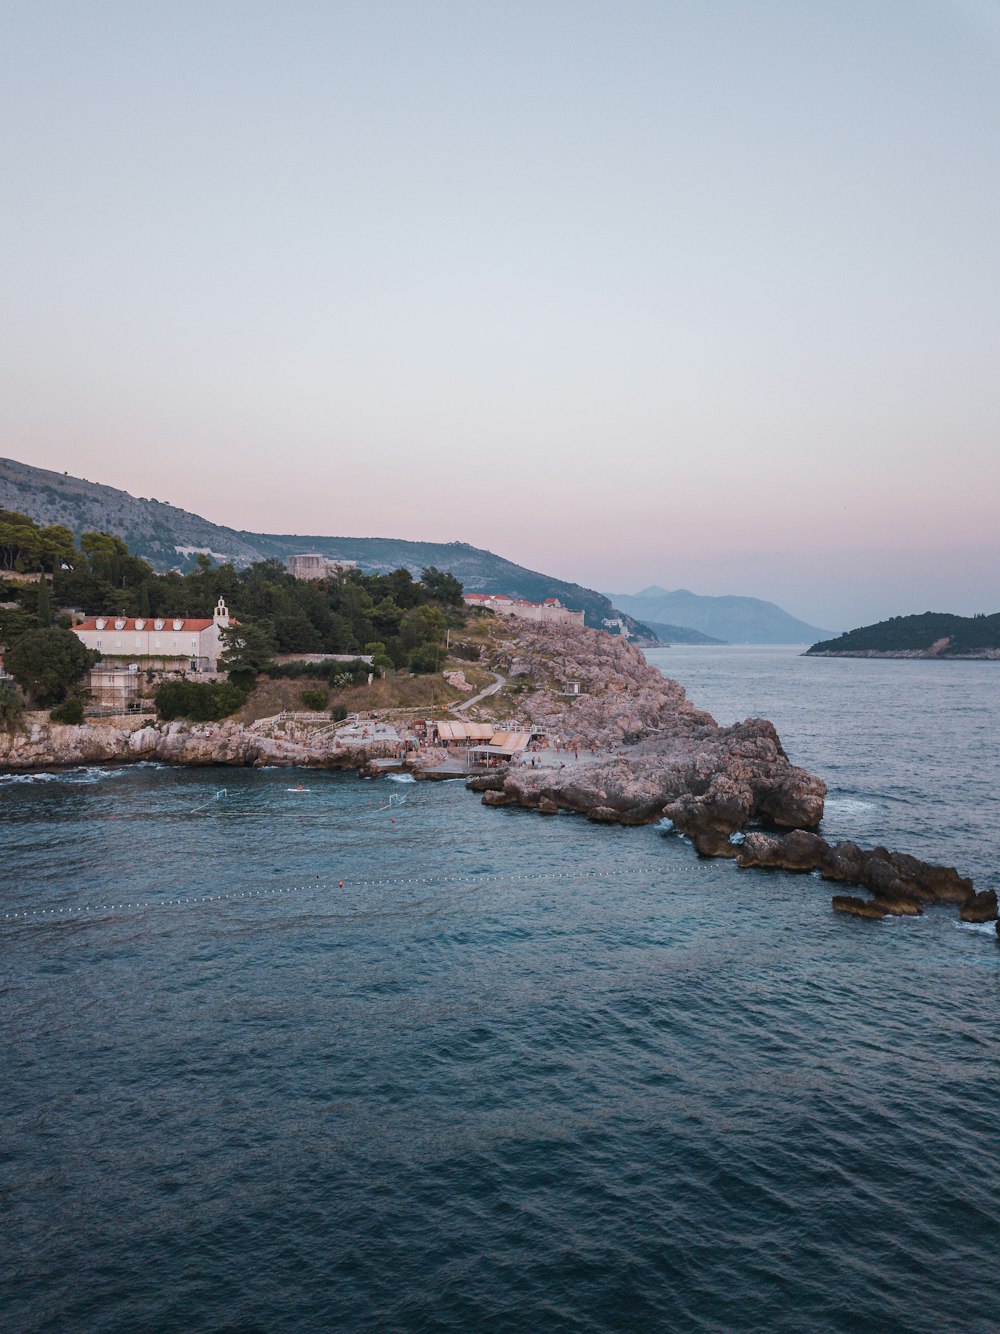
148, 625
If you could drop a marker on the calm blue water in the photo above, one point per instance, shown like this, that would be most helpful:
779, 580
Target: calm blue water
517, 1073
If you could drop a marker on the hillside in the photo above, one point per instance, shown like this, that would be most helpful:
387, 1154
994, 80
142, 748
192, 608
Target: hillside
932, 634
680, 634
735, 620
169, 537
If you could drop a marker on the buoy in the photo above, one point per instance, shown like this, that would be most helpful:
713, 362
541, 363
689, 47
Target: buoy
340, 884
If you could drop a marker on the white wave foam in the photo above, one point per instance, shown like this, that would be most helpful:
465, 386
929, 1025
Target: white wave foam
849, 806
90, 774
401, 778
981, 928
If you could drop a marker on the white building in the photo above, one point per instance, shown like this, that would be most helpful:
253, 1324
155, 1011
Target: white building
549, 612
164, 643
311, 565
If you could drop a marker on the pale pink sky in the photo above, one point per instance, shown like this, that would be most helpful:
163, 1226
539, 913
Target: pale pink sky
695, 295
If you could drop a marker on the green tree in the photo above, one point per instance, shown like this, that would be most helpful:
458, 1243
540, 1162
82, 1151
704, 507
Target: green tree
379, 653
247, 649
43, 614
14, 622
47, 663
57, 547
441, 586
424, 659
11, 706
423, 625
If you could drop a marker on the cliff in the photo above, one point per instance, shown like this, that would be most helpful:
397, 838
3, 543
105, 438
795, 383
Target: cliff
634, 749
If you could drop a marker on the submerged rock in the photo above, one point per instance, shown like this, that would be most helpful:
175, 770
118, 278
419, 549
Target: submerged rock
857, 907
898, 905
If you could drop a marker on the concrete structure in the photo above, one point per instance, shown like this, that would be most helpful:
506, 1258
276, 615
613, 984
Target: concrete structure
549, 612
616, 623
312, 565
163, 643
115, 688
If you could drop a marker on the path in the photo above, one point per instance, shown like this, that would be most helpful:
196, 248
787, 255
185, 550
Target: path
498, 684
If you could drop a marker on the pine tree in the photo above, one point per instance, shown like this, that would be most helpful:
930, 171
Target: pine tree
43, 612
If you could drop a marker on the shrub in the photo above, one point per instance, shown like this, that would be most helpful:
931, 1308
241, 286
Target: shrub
314, 699
337, 674
243, 679
198, 701
70, 712
467, 652
338, 713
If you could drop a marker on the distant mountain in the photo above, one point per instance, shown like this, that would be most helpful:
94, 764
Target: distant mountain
170, 538
681, 634
933, 634
733, 619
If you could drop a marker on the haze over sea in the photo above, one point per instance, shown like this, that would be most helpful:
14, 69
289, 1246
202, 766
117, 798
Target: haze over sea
515, 1073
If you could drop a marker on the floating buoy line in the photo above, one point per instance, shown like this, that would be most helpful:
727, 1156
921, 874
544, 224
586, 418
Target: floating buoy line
211, 802
283, 891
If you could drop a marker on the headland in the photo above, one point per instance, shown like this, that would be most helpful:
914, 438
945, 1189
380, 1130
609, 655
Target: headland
574, 720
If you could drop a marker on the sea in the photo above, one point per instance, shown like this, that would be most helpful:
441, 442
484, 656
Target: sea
286, 1050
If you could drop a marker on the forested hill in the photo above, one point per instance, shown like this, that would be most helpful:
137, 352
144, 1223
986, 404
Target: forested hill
933, 634
171, 538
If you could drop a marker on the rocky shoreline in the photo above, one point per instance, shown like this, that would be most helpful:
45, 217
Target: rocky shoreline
629, 748
923, 655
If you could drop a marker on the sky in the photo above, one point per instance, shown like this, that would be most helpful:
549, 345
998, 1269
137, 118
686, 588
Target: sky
696, 293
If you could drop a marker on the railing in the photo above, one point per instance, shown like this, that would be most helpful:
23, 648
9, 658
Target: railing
128, 711
323, 720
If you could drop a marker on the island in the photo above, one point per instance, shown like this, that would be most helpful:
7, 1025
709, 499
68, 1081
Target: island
932, 634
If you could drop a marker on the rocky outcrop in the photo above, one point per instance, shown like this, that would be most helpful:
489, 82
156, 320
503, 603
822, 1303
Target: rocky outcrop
899, 882
857, 907
982, 907
696, 781
648, 753
798, 851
